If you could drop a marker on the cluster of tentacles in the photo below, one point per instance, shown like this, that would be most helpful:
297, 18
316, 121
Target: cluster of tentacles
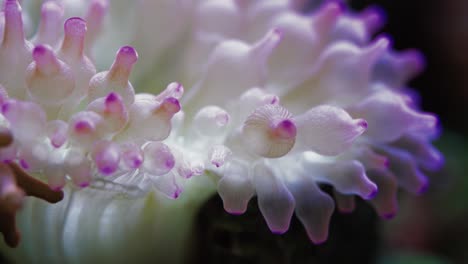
276, 102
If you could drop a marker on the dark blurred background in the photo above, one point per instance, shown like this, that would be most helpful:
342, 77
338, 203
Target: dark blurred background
440, 30
434, 228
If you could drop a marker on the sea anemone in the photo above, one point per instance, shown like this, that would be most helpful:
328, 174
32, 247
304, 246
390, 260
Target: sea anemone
270, 101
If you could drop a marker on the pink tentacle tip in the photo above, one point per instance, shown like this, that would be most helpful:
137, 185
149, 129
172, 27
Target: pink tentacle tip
136, 163
431, 121
286, 129
328, 14
278, 32
43, 54
56, 143
334, 8
107, 170
222, 119
377, 48
234, 212
24, 164
171, 105
179, 88
12, 6
272, 99
372, 194
177, 193
413, 61
83, 126
84, 184
374, 18
112, 98
75, 26
319, 242
170, 163
424, 188
6, 107
99, 6
51, 6
39, 51
279, 231
386, 162
388, 216
362, 124
127, 55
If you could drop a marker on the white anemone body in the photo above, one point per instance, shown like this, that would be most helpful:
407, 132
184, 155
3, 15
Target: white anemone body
270, 102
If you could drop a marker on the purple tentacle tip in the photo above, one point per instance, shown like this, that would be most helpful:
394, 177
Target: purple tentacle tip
372, 195
389, 216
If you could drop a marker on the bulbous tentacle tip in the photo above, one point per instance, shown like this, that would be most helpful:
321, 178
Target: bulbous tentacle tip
75, 26
13, 28
275, 201
233, 211
376, 49
344, 203
52, 6
432, 121
374, 18
262, 50
39, 51
219, 155
361, 124
12, 6
412, 62
171, 106
83, 185
98, 6
45, 59
424, 187
115, 104
211, 121
132, 156
372, 194
49, 27
106, 156
285, 129
159, 159
112, 98
328, 130
83, 126
326, 17
269, 131
176, 89
236, 192
368, 190
127, 55
314, 208
221, 118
